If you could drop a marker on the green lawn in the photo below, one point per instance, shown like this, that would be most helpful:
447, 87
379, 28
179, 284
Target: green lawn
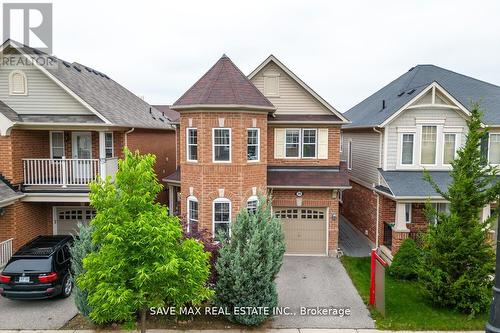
406, 308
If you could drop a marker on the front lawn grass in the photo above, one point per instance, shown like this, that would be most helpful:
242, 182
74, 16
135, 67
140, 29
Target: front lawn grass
405, 306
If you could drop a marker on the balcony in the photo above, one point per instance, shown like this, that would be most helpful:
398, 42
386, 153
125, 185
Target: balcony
47, 173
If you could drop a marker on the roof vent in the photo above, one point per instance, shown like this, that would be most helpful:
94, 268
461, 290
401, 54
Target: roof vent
383, 104
150, 111
88, 69
411, 92
411, 69
401, 94
77, 68
66, 64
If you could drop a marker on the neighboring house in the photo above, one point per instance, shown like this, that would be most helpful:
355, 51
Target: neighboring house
239, 137
63, 125
416, 122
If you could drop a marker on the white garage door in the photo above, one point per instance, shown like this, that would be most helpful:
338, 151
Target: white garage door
305, 230
66, 219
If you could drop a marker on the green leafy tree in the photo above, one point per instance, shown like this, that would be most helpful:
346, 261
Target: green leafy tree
82, 246
457, 260
249, 262
143, 259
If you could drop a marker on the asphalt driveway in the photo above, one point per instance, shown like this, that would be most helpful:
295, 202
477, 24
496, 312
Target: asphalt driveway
36, 314
311, 282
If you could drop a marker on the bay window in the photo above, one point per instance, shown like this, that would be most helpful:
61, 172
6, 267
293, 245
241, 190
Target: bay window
192, 214
408, 212
252, 204
428, 150
221, 144
449, 148
192, 144
222, 216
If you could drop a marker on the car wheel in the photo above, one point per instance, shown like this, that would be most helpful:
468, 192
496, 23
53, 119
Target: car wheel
67, 286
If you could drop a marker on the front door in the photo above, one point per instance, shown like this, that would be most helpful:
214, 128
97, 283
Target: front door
82, 155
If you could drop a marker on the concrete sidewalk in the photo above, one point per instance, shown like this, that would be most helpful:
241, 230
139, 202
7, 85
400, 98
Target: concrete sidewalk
256, 330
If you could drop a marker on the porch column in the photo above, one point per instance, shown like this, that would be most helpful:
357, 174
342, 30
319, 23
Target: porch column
171, 199
102, 155
399, 232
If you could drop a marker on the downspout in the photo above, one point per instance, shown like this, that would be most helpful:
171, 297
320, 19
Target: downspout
378, 196
126, 133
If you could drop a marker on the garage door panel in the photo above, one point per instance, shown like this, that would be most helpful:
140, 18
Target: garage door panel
304, 229
67, 219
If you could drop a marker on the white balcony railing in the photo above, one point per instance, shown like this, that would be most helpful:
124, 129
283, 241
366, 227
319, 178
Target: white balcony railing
66, 172
5, 251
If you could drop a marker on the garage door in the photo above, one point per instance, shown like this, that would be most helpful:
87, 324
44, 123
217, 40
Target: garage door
305, 229
66, 219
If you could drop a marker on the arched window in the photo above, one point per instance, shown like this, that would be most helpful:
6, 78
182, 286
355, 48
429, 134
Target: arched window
221, 216
252, 204
17, 83
192, 213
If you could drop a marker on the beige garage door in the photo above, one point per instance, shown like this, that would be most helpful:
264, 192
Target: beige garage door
305, 229
67, 218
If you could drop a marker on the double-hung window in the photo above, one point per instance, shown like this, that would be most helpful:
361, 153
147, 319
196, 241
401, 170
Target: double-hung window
222, 216
494, 149
309, 143
429, 140
408, 212
252, 204
192, 214
56, 144
449, 149
108, 144
253, 143
292, 143
407, 149
221, 144
192, 144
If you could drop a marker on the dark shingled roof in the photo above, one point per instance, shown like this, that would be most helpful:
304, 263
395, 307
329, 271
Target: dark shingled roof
8, 112
174, 177
412, 183
173, 115
224, 84
321, 177
400, 91
114, 102
304, 118
7, 192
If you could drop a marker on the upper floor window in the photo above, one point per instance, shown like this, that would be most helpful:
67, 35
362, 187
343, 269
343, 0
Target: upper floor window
292, 143
192, 144
407, 149
271, 84
108, 144
221, 145
222, 216
494, 149
56, 144
349, 155
17, 83
309, 143
253, 143
192, 213
450, 147
428, 150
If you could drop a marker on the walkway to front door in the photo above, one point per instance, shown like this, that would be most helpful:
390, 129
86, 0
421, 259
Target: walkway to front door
352, 242
312, 282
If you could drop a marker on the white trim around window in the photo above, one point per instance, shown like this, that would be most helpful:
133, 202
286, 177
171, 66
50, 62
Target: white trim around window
291, 144
190, 145
53, 146
253, 144
109, 145
252, 204
300, 144
221, 145
408, 207
19, 87
192, 211
223, 215
315, 143
494, 138
349, 154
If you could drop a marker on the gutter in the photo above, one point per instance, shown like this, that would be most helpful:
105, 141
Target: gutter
126, 133
9, 201
310, 187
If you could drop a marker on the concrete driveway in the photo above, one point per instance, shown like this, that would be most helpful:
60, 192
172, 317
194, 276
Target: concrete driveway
36, 314
311, 282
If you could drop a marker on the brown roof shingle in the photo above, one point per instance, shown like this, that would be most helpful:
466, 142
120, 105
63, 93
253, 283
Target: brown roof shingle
307, 177
224, 84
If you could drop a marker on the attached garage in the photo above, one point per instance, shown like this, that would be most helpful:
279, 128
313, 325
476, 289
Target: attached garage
305, 229
66, 219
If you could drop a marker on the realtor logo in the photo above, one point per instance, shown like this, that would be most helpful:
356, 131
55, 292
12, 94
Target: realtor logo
29, 23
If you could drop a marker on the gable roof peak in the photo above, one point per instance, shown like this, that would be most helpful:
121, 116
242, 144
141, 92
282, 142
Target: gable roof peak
223, 85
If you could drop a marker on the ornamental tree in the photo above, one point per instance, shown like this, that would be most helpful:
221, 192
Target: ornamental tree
457, 259
249, 262
143, 259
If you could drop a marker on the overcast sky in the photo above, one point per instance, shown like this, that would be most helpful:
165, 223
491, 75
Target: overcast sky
345, 50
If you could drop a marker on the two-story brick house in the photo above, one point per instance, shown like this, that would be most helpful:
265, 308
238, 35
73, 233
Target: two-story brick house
241, 136
63, 125
416, 122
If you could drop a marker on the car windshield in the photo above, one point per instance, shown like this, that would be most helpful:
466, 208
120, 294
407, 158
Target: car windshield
26, 265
